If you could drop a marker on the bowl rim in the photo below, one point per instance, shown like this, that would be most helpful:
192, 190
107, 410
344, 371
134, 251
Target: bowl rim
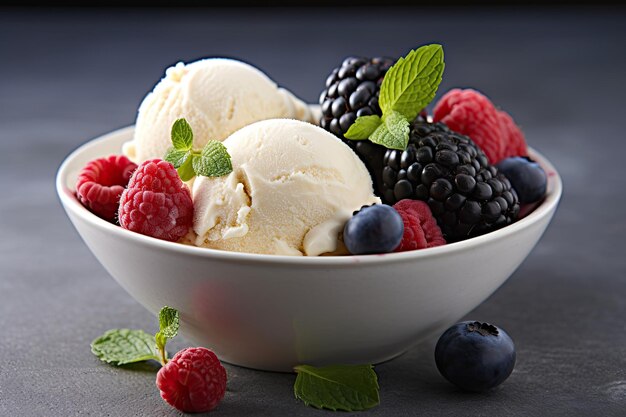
71, 204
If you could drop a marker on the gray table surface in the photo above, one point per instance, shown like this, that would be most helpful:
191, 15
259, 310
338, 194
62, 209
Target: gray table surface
68, 76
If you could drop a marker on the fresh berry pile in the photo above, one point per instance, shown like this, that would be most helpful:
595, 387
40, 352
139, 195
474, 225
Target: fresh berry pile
463, 174
469, 165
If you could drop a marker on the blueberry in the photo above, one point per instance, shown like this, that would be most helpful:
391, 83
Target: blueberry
373, 229
526, 176
475, 356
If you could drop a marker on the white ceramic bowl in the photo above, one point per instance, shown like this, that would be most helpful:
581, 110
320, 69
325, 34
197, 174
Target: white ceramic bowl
273, 312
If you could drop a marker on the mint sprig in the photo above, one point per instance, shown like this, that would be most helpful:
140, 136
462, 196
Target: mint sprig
409, 85
168, 329
124, 346
337, 387
212, 161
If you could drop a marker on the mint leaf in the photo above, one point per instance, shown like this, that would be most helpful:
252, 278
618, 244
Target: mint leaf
168, 328
363, 127
185, 171
337, 387
123, 346
182, 135
214, 161
168, 322
393, 133
177, 157
411, 83
398, 127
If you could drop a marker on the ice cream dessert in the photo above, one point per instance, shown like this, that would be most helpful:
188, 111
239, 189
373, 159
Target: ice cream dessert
291, 191
377, 174
217, 97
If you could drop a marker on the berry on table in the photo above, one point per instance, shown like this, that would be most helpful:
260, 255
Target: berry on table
472, 114
373, 229
466, 195
420, 227
156, 203
475, 356
101, 183
193, 381
526, 176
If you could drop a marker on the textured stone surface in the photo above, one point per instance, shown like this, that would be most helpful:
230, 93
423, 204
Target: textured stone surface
68, 76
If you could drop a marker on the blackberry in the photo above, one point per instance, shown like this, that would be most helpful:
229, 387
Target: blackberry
352, 90
467, 196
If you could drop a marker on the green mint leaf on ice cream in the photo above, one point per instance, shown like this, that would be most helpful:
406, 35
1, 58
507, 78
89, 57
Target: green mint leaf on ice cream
182, 135
212, 161
177, 157
337, 387
185, 171
124, 346
409, 85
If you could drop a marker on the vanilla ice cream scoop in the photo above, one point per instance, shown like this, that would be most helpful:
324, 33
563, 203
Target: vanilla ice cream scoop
292, 188
217, 97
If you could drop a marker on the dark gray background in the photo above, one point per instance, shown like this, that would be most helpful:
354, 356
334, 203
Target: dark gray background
68, 76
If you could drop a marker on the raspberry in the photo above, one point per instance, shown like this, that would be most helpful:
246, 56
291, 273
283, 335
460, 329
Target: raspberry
194, 381
472, 114
101, 183
516, 144
420, 227
156, 203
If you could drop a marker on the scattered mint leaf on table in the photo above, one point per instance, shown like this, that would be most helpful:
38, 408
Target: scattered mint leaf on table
124, 346
212, 161
337, 387
168, 328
